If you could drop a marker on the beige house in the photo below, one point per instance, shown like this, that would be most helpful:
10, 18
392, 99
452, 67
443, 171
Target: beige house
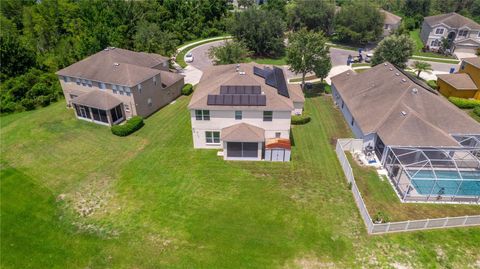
239, 108
462, 33
391, 22
116, 84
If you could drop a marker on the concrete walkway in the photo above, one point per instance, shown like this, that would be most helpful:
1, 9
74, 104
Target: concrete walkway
333, 72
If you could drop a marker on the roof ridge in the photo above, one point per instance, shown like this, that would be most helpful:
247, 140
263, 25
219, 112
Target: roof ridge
419, 116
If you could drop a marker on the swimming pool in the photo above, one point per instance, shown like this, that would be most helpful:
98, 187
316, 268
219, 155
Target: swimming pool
449, 183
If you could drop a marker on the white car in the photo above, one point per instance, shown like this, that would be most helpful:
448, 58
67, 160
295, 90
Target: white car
368, 58
189, 57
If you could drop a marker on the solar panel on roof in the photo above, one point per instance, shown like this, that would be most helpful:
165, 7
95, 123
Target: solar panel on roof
228, 99
211, 99
258, 71
261, 100
236, 100
281, 82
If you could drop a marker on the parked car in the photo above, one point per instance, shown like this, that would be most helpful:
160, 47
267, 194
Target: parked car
368, 57
189, 57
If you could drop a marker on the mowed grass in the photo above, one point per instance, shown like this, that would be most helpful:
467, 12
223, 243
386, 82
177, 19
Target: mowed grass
171, 206
379, 196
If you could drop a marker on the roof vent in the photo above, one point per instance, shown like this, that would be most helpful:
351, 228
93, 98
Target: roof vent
112, 48
241, 73
404, 80
237, 68
116, 64
397, 74
348, 73
385, 64
414, 90
105, 49
391, 69
404, 113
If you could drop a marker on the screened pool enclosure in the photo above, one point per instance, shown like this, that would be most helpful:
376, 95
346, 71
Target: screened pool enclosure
446, 174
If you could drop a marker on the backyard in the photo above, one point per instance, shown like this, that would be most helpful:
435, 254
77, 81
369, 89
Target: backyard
75, 196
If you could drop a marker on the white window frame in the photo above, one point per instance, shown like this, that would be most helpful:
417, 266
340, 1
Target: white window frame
268, 118
114, 88
238, 115
202, 114
212, 137
438, 29
102, 86
149, 101
463, 31
78, 81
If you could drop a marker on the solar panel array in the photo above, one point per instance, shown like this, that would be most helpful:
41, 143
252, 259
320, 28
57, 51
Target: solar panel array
237, 99
273, 77
238, 89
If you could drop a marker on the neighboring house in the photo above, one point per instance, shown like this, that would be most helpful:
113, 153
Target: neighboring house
116, 84
465, 83
463, 33
241, 108
428, 146
390, 23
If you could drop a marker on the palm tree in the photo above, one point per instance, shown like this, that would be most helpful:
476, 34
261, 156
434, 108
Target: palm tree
421, 67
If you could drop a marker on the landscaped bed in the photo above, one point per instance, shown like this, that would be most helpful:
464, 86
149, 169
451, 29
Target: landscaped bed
380, 197
74, 196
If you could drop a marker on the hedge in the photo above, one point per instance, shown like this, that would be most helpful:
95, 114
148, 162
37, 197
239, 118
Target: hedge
476, 111
300, 119
432, 84
129, 127
464, 103
187, 89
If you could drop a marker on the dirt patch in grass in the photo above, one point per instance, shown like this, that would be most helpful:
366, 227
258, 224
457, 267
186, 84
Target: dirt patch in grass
379, 196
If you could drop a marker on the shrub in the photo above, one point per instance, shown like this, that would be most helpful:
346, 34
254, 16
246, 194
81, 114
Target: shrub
28, 104
432, 84
381, 217
476, 111
464, 103
300, 119
327, 88
187, 89
129, 127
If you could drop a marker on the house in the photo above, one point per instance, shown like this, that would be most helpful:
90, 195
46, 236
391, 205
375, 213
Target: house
462, 33
116, 84
240, 108
391, 22
465, 83
428, 146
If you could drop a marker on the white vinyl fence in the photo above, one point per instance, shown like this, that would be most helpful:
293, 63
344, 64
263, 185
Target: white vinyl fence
355, 145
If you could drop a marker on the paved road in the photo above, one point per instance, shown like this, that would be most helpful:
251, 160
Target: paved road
200, 55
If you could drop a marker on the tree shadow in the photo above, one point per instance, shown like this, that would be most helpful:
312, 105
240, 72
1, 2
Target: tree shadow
316, 89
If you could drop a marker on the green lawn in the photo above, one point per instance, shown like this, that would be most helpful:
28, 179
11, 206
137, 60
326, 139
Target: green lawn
268, 61
155, 202
379, 196
415, 35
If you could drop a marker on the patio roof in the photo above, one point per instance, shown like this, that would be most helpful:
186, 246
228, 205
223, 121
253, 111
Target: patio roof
97, 99
243, 132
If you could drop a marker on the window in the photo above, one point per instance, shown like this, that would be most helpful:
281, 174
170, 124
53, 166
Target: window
69, 79
278, 135
114, 88
149, 101
102, 86
73, 96
128, 91
435, 43
212, 137
139, 88
478, 34
352, 122
65, 79
154, 80
84, 82
387, 26
127, 108
343, 104
78, 81
267, 115
462, 67
238, 115
89, 83
439, 31
202, 114
116, 113
463, 33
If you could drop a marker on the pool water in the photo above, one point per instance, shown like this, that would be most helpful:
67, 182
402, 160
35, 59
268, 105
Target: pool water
448, 184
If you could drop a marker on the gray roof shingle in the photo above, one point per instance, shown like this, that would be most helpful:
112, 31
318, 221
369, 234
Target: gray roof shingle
452, 20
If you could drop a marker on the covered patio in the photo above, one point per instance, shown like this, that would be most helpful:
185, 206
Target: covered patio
243, 142
99, 107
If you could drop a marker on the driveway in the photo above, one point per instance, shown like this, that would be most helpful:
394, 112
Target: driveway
201, 60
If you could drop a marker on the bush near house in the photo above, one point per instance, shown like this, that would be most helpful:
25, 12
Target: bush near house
432, 84
476, 111
464, 103
131, 126
187, 89
300, 119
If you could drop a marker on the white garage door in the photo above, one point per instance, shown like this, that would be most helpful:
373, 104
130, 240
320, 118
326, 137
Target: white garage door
464, 49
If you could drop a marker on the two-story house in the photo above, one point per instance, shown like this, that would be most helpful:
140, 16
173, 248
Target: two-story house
462, 33
465, 83
116, 84
244, 109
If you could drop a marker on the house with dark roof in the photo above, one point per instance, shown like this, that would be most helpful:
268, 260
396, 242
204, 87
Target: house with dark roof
465, 83
241, 108
428, 146
462, 33
115, 84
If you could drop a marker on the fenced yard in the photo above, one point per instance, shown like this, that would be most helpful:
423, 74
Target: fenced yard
469, 214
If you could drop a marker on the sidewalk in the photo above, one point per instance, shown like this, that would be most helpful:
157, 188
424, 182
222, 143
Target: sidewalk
333, 72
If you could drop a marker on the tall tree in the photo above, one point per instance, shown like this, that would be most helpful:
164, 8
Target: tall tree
307, 52
411, 8
314, 15
394, 49
229, 53
261, 31
359, 22
150, 38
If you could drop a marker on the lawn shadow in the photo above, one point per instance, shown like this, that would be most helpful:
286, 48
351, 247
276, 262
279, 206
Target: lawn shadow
316, 89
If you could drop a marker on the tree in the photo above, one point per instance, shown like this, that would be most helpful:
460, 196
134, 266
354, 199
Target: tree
151, 38
307, 52
314, 15
416, 7
421, 67
231, 52
359, 22
322, 68
261, 31
277, 5
245, 3
394, 49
